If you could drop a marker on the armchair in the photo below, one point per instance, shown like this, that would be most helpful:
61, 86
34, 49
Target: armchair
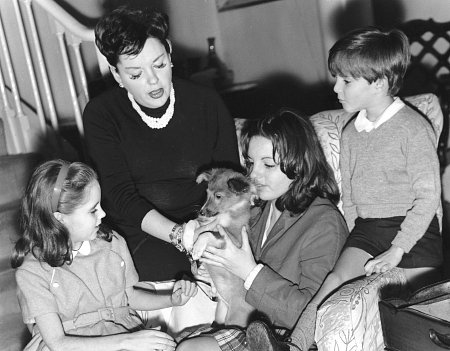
349, 319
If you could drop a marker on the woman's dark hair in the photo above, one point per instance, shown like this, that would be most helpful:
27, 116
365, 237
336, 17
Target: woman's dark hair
124, 31
372, 54
297, 150
43, 235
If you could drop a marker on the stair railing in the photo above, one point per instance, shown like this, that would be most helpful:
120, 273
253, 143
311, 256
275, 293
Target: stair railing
70, 34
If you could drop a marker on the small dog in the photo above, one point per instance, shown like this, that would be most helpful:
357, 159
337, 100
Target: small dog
230, 196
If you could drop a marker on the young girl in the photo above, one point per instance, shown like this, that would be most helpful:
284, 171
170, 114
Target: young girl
75, 278
296, 233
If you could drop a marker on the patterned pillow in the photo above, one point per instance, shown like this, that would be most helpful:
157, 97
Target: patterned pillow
328, 126
349, 318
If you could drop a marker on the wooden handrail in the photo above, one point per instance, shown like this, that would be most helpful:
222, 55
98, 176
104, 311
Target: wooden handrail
66, 20
70, 35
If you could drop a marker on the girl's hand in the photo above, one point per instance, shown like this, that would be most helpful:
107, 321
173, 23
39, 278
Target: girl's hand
149, 339
385, 261
239, 261
182, 291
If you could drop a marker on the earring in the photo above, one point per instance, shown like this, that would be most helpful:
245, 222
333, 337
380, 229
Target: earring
171, 64
121, 85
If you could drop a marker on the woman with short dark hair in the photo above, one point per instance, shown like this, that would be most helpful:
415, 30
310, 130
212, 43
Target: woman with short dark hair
149, 137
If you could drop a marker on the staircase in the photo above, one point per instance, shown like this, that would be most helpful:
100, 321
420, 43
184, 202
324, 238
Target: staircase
45, 76
15, 171
44, 87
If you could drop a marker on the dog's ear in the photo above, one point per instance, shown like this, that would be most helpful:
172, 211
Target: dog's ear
238, 185
204, 176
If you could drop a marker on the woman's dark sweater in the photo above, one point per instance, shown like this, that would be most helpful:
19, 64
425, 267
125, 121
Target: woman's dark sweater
142, 169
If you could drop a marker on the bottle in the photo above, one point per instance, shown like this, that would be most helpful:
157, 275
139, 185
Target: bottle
222, 75
212, 59
215, 72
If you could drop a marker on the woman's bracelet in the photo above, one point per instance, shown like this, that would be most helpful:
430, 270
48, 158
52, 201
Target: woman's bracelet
176, 237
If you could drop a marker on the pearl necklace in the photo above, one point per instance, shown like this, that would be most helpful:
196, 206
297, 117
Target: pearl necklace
152, 122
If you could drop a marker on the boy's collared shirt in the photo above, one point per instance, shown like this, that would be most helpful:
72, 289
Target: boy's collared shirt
363, 124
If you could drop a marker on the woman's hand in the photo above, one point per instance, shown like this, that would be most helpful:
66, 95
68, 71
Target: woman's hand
149, 339
385, 261
194, 228
189, 234
182, 291
239, 261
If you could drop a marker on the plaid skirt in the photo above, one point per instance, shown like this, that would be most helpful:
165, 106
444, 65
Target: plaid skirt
229, 339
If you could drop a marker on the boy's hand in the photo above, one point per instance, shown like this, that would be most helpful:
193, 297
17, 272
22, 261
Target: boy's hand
182, 291
385, 261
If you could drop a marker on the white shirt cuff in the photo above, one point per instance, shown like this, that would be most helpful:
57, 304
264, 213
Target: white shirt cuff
252, 275
188, 234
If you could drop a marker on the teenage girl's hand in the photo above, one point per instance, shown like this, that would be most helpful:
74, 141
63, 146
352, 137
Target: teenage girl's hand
239, 261
149, 339
182, 291
385, 261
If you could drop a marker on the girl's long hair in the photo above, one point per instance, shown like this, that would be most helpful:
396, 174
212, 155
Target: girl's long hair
43, 236
297, 149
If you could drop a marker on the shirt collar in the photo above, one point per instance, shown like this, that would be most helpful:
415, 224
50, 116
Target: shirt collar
362, 123
85, 249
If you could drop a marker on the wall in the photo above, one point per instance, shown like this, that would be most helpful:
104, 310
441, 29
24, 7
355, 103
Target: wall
388, 12
283, 43
284, 36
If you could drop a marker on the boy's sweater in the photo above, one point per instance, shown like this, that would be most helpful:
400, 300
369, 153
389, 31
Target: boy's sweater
392, 171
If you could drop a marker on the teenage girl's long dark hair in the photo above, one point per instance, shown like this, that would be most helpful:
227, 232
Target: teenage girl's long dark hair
297, 149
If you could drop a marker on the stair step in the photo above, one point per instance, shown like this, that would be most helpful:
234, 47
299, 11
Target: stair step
8, 297
15, 171
14, 333
3, 149
9, 233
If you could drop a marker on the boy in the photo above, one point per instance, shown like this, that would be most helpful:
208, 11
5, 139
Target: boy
390, 176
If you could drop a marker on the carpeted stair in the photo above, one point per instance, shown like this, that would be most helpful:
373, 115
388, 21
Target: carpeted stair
15, 171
